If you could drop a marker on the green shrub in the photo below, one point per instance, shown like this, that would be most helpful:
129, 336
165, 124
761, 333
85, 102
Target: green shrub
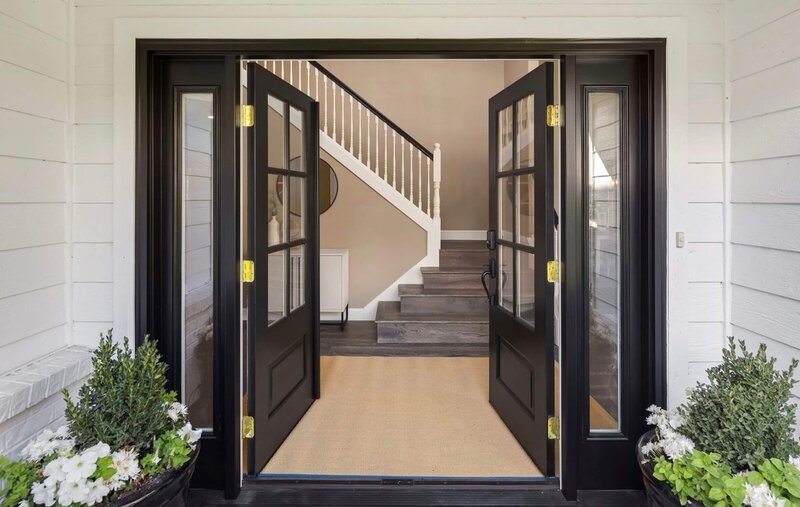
743, 412
122, 404
16, 478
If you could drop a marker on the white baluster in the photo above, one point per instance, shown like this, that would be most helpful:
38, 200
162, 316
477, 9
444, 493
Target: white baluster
428, 185
291, 72
334, 110
308, 78
283, 68
369, 148
394, 159
377, 148
437, 180
316, 84
411, 171
385, 154
351, 124
419, 178
360, 140
341, 92
403, 165
325, 91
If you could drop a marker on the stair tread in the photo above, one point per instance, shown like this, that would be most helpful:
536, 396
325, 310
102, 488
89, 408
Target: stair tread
462, 270
389, 311
463, 245
420, 290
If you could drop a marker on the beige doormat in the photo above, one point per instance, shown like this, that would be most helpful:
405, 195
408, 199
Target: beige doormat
403, 416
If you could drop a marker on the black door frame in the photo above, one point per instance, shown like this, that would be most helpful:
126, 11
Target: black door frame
150, 290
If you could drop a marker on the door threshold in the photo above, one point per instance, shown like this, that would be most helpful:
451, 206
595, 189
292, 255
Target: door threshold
383, 480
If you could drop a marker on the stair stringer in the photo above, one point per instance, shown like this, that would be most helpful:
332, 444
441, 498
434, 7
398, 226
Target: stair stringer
431, 226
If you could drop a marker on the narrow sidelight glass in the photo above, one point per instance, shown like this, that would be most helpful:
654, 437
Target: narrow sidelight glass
603, 149
276, 286
276, 132
197, 179
276, 226
505, 207
296, 121
526, 290
297, 208
525, 210
505, 277
505, 139
525, 128
297, 277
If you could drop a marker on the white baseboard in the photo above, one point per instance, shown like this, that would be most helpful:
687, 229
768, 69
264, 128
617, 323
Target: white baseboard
463, 235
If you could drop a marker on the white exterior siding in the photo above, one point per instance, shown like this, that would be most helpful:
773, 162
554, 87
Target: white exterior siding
34, 155
765, 174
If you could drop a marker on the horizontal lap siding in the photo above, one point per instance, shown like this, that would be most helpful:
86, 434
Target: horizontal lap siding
765, 192
33, 165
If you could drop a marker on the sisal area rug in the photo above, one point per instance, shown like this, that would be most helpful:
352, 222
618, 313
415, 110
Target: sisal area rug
403, 416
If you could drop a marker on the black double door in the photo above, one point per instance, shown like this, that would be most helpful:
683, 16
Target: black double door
521, 244
283, 232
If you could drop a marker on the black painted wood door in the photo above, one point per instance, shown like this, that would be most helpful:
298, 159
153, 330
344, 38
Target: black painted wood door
521, 242
284, 310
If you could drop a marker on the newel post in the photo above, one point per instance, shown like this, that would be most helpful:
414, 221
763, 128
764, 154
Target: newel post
437, 179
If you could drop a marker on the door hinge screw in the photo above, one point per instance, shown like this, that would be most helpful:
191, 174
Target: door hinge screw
555, 115
245, 115
553, 428
248, 427
248, 271
553, 271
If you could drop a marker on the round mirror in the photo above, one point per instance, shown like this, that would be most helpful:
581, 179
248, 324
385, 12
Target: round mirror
328, 189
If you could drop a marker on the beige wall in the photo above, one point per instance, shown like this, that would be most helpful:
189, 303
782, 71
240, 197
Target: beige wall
383, 242
438, 101
515, 69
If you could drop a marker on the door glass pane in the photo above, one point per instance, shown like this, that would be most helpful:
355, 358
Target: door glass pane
505, 277
276, 290
505, 207
276, 230
297, 262
603, 164
296, 160
505, 136
276, 133
297, 208
525, 287
197, 173
525, 132
525, 217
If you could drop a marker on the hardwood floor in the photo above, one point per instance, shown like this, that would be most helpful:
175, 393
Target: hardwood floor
360, 338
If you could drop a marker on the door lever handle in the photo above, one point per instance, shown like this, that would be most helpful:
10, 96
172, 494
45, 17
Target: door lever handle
491, 272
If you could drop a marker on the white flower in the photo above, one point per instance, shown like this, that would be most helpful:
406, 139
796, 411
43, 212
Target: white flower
46, 443
100, 449
761, 496
43, 494
176, 411
674, 444
79, 467
650, 448
24, 503
62, 432
189, 434
55, 469
97, 491
73, 492
126, 465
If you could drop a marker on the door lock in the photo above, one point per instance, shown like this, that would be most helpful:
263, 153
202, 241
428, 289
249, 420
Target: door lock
491, 239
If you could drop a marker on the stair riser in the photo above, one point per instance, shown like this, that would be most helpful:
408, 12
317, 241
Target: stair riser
463, 259
433, 332
451, 280
444, 305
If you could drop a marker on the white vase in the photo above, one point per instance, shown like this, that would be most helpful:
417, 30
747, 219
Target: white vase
273, 231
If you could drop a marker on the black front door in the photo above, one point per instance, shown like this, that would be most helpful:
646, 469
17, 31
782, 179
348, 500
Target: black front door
283, 310
521, 241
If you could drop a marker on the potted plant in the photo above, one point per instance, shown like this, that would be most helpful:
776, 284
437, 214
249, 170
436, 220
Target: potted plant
127, 441
732, 443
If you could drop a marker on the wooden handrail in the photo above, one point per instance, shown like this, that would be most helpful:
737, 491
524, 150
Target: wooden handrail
341, 84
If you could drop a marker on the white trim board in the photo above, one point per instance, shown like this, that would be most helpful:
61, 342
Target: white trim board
674, 29
463, 235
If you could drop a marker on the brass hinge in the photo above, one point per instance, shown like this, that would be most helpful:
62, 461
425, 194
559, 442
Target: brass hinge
553, 428
248, 271
248, 427
245, 115
553, 271
555, 116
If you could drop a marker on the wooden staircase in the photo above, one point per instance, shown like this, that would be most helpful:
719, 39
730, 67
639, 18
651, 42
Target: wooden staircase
449, 307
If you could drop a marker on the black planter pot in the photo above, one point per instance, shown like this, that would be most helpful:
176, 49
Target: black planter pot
659, 494
168, 490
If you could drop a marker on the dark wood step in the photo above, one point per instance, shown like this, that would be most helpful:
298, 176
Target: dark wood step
397, 327
451, 278
463, 244
476, 259
417, 299
360, 338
